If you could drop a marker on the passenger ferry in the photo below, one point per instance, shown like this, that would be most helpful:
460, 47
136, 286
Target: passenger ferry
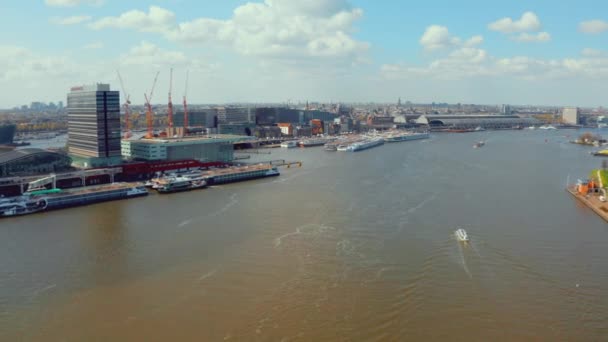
177, 184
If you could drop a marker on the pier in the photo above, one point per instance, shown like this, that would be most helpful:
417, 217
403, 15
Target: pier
592, 201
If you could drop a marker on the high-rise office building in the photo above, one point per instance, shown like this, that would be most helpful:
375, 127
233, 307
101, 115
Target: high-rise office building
94, 125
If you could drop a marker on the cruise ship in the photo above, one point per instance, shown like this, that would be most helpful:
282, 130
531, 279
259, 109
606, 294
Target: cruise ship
52, 199
405, 136
364, 145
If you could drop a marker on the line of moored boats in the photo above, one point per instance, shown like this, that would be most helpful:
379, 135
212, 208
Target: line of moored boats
37, 200
356, 143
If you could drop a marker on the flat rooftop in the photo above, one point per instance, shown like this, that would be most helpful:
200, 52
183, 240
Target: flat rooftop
215, 138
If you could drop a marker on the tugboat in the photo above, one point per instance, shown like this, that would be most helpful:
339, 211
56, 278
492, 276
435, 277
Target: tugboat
461, 235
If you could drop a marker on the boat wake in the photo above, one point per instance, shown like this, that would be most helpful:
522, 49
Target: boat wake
307, 229
184, 223
232, 201
463, 260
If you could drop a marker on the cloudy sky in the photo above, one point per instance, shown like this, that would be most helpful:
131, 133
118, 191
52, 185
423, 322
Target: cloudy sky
469, 51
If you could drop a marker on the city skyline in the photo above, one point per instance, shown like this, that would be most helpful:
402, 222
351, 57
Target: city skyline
323, 50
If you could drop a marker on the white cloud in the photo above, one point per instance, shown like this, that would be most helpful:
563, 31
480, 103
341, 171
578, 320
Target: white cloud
437, 37
470, 63
156, 20
273, 28
150, 55
589, 52
94, 46
593, 26
531, 37
528, 22
73, 20
21, 63
72, 3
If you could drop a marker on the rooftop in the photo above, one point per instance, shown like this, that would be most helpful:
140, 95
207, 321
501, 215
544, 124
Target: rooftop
18, 154
215, 138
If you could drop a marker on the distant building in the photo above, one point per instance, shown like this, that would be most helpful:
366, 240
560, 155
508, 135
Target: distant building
302, 132
245, 128
267, 132
316, 126
7, 132
197, 118
570, 115
286, 128
94, 126
505, 110
380, 122
234, 115
474, 121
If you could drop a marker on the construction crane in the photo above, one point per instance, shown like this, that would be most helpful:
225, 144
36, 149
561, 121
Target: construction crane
186, 123
170, 105
127, 106
149, 117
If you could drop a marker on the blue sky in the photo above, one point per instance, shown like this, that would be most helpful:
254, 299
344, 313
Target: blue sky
518, 52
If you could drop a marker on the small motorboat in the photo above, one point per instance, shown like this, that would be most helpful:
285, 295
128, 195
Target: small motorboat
461, 235
479, 144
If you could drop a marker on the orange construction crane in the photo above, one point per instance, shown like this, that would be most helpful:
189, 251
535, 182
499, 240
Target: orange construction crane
170, 105
186, 106
149, 117
127, 107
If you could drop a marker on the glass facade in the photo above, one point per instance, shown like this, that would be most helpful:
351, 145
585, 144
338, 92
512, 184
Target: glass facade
94, 122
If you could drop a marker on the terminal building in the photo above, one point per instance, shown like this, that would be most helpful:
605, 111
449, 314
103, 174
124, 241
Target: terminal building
32, 161
474, 121
94, 126
219, 148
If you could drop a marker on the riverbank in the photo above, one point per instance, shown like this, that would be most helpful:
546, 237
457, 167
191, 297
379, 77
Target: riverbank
592, 201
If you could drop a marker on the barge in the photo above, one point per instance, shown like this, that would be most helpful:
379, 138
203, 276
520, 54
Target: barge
240, 173
45, 200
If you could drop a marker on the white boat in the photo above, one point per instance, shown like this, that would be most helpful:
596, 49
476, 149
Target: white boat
461, 235
364, 145
546, 127
479, 144
289, 144
531, 128
479, 128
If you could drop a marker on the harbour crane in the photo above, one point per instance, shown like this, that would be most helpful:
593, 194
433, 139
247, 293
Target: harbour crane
149, 117
186, 123
127, 106
170, 104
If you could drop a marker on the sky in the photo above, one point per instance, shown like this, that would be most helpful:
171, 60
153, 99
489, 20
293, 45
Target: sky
469, 51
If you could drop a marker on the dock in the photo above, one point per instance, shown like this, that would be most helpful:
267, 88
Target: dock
592, 201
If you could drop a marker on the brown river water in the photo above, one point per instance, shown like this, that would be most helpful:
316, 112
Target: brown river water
349, 247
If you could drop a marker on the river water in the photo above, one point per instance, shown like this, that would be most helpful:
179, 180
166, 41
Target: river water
349, 247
